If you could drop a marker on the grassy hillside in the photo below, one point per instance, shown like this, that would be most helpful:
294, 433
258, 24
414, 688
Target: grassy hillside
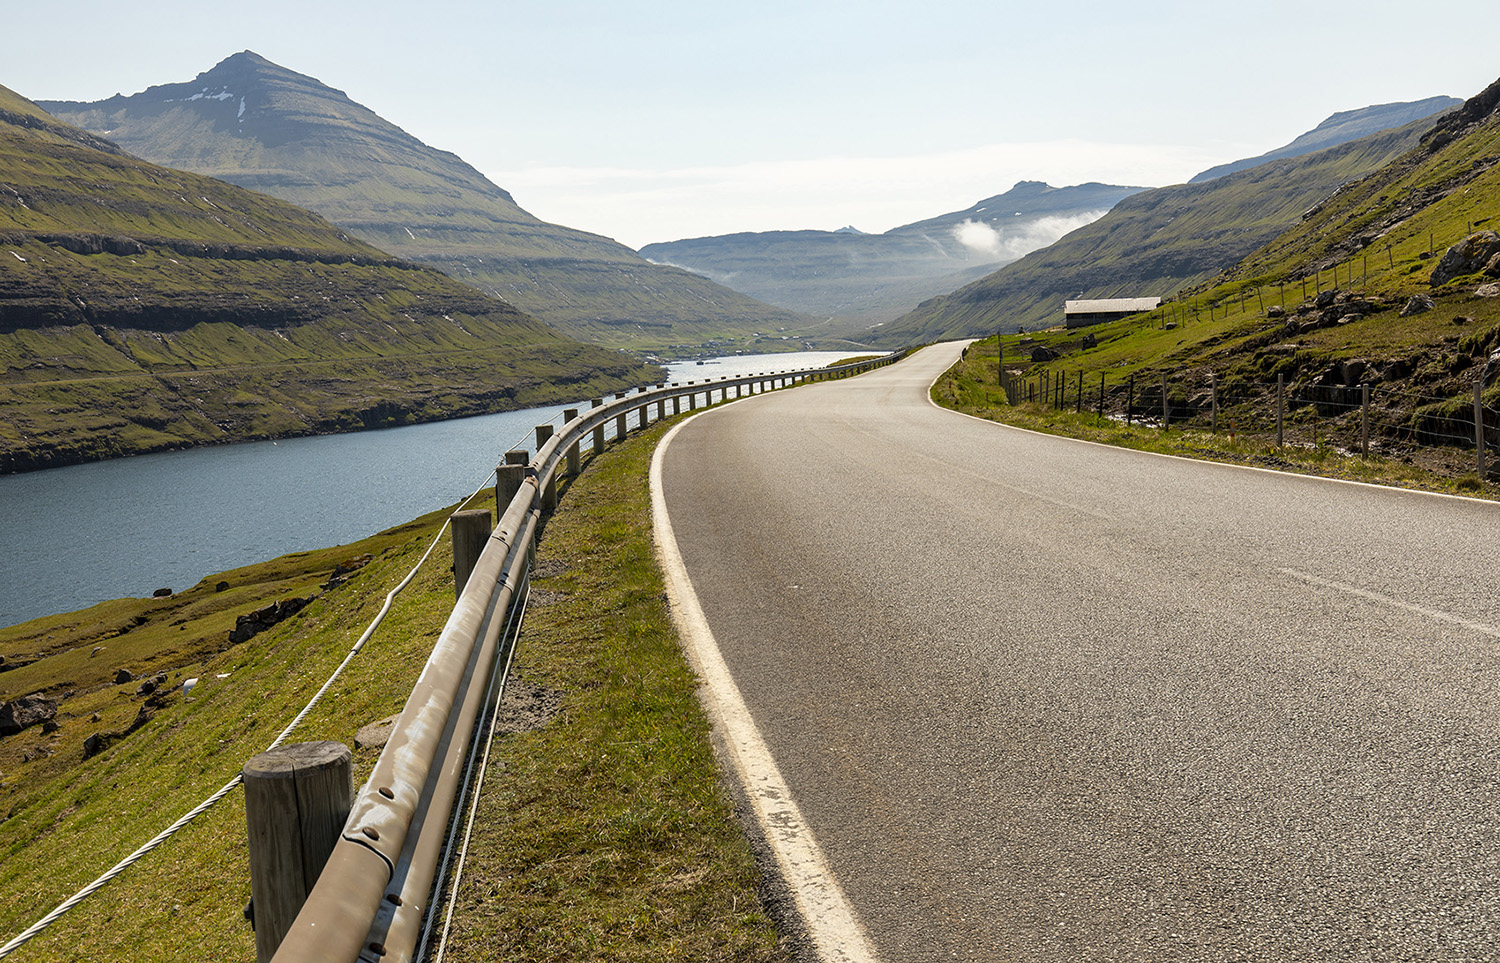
144, 309
1391, 285
1153, 243
261, 126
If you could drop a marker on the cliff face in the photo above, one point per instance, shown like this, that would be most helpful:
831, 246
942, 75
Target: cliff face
261, 126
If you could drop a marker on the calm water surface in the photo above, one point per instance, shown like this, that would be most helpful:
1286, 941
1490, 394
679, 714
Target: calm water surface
75, 536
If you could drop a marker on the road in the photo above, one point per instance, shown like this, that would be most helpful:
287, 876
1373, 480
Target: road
1045, 700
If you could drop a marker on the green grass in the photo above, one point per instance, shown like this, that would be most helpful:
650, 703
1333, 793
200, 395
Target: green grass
971, 386
606, 834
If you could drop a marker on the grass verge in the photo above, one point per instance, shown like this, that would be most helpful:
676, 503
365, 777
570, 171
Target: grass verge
970, 386
605, 832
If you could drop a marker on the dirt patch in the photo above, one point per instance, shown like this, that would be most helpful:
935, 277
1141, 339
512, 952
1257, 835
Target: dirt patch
527, 706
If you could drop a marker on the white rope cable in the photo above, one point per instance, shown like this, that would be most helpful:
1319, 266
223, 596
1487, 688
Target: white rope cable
478, 788
36, 928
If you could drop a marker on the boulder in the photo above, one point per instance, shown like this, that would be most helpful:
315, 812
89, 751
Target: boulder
248, 626
1477, 252
123, 676
1419, 304
25, 712
162, 593
1487, 291
1041, 354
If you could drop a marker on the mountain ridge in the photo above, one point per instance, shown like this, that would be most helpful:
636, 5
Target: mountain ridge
148, 309
254, 123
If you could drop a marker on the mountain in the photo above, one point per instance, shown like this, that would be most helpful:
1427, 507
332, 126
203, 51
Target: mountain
1153, 243
146, 309
859, 280
1338, 129
262, 126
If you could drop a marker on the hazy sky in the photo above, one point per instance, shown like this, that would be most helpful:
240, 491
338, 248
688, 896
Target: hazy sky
652, 122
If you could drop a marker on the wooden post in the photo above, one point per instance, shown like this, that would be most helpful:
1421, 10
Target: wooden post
1101, 394
471, 530
1165, 413
1129, 397
1213, 385
549, 491
570, 415
1364, 419
297, 799
1280, 405
599, 428
508, 480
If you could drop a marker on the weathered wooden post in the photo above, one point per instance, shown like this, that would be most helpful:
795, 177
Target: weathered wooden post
1101, 394
1129, 398
297, 799
570, 415
471, 530
509, 478
1165, 411
1213, 385
549, 491
599, 428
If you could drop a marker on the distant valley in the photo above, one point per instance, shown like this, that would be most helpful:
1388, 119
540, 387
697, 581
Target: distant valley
855, 281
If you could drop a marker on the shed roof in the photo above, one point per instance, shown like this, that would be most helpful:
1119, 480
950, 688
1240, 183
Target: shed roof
1111, 305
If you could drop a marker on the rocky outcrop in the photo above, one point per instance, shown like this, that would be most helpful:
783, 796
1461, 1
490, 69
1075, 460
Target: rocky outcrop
248, 626
20, 714
1475, 253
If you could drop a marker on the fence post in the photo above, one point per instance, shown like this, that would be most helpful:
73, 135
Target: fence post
297, 799
1364, 419
1129, 398
1213, 384
1280, 405
599, 428
549, 491
1165, 414
1479, 425
1101, 394
508, 480
471, 529
569, 415
1079, 410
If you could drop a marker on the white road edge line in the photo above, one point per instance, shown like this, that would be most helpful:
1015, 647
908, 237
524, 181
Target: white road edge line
837, 935
1369, 596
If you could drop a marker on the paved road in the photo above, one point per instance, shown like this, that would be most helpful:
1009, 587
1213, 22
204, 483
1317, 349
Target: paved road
1043, 700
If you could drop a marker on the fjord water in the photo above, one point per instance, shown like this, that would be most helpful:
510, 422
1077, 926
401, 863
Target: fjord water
75, 536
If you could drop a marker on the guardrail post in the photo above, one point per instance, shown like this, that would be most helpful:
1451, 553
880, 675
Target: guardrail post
509, 478
569, 415
471, 529
297, 799
549, 491
599, 428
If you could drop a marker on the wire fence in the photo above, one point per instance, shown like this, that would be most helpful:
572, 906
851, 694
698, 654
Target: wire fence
1354, 418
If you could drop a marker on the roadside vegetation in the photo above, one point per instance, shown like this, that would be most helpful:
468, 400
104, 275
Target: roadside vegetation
1391, 286
605, 831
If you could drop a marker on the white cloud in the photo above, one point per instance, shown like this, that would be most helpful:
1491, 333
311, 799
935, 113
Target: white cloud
639, 206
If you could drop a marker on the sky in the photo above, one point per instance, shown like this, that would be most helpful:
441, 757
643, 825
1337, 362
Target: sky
674, 119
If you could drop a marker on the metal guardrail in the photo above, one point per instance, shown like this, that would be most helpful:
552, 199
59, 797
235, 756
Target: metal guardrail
372, 897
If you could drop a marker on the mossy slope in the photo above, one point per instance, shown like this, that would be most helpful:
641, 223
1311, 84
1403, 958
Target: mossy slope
144, 309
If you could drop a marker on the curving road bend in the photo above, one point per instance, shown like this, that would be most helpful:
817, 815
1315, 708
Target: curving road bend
1045, 700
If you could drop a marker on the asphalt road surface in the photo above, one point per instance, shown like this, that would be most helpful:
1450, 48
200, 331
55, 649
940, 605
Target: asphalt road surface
1045, 700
